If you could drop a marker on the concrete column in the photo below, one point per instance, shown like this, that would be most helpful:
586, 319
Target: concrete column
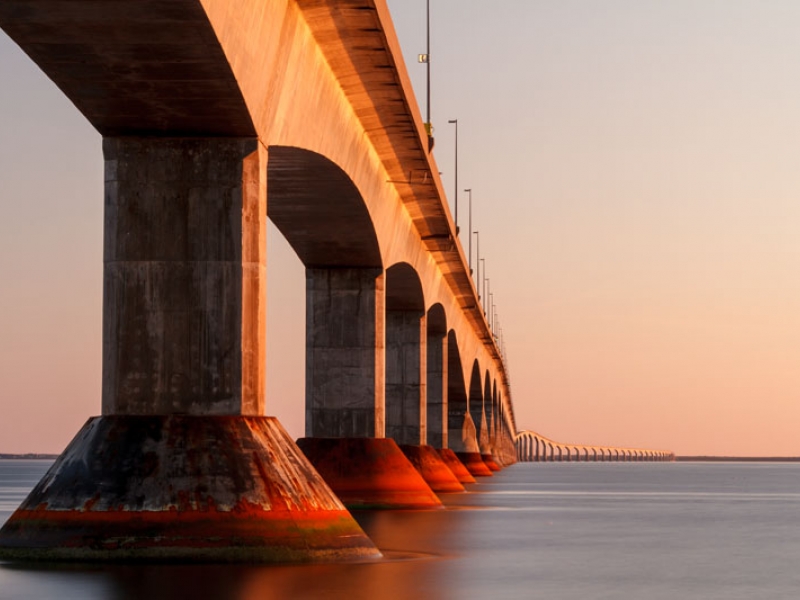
345, 385
437, 390
406, 376
182, 444
184, 291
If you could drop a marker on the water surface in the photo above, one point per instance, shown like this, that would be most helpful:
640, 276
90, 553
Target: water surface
563, 531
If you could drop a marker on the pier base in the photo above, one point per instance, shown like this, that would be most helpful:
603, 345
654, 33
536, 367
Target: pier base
488, 459
182, 488
456, 466
432, 468
369, 473
474, 463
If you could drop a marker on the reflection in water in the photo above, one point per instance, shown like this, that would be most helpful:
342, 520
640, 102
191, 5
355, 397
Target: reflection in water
566, 531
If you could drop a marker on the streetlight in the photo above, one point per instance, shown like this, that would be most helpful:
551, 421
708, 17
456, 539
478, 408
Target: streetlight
478, 260
426, 58
487, 292
455, 122
469, 191
483, 260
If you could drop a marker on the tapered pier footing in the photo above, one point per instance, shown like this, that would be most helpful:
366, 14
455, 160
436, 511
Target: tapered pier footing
369, 473
432, 468
183, 488
456, 466
490, 462
474, 463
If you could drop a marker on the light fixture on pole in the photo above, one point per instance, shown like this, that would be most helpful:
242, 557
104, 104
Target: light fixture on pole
426, 59
455, 122
478, 261
469, 191
487, 292
483, 283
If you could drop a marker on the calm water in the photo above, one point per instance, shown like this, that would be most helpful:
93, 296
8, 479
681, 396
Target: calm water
555, 531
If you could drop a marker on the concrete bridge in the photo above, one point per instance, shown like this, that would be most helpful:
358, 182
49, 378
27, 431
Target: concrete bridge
534, 447
216, 115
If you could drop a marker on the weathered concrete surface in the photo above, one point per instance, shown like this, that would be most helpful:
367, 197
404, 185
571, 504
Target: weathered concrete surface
345, 364
456, 466
369, 473
182, 488
432, 468
184, 297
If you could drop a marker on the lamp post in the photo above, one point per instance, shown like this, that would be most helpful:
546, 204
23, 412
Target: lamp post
426, 58
428, 61
478, 261
482, 282
469, 191
455, 122
487, 292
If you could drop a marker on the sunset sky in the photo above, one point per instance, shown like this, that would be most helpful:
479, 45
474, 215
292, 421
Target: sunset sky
635, 168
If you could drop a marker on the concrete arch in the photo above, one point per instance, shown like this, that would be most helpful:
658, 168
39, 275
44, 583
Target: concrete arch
404, 289
406, 356
345, 286
323, 233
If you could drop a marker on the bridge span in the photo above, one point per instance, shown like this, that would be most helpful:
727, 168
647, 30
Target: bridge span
534, 447
215, 116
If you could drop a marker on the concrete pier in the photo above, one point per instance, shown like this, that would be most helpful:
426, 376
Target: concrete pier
347, 331
182, 466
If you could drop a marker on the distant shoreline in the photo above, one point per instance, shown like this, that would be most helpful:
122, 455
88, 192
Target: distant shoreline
28, 456
737, 458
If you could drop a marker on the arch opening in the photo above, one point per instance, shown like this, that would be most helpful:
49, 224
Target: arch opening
324, 218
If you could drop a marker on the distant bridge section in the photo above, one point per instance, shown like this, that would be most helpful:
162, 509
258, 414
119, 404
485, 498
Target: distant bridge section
534, 447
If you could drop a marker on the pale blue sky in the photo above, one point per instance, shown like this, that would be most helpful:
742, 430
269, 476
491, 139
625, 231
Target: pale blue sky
634, 167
